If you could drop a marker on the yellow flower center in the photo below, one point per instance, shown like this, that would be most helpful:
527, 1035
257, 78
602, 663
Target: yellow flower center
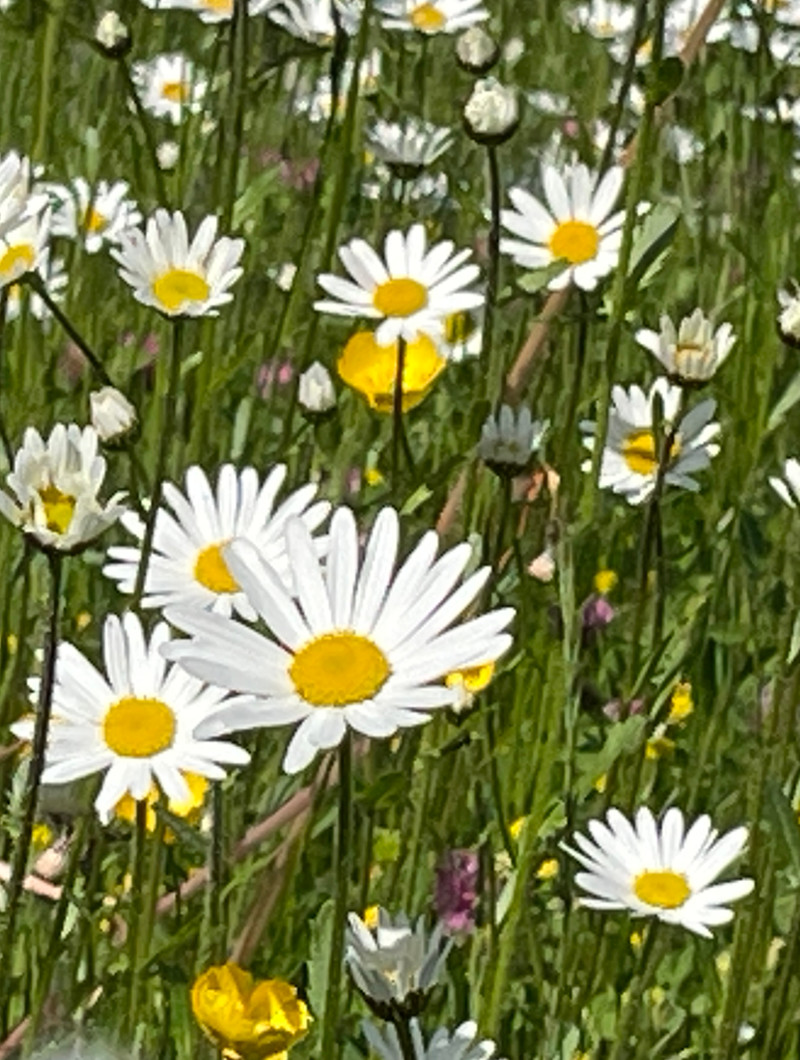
639, 452
458, 327
663, 888
175, 287
687, 352
575, 241
400, 298
220, 7
427, 18
176, 91
336, 669
94, 221
58, 509
211, 570
138, 727
17, 260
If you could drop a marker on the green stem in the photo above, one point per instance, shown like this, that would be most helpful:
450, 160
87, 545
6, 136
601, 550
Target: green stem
139, 841
147, 129
37, 284
492, 277
407, 1049
398, 427
648, 962
4, 438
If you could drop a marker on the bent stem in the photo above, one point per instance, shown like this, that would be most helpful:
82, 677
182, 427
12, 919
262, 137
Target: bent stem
36, 283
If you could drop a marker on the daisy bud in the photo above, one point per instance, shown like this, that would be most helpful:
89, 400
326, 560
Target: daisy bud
789, 316
112, 36
509, 440
168, 154
476, 51
491, 114
315, 390
113, 416
543, 567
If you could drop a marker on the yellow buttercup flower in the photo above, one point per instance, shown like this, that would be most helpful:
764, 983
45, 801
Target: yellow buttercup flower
248, 1019
189, 808
604, 581
371, 369
548, 869
659, 745
681, 705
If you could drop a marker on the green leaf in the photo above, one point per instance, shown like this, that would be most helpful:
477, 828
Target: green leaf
652, 241
321, 936
663, 79
784, 820
241, 427
785, 404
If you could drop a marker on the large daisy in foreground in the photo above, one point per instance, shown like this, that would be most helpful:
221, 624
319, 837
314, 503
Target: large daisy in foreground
575, 225
665, 872
412, 290
362, 646
136, 722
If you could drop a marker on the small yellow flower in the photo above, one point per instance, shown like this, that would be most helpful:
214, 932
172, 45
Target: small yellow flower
600, 783
82, 619
248, 1019
371, 369
659, 745
371, 916
681, 704
548, 869
373, 477
515, 828
636, 941
41, 836
604, 581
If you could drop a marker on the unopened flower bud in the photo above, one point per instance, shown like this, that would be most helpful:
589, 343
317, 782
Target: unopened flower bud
315, 390
113, 416
476, 51
789, 316
491, 114
543, 567
112, 36
167, 154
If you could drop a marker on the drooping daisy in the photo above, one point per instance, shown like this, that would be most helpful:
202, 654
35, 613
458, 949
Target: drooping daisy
694, 352
187, 567
411, 293
56, 485
53, 275
372, 370
312, 21
788, 487
509, 440
410, 147
24, 248
93, 215
432, 16
169, 86
663, 871
137, 721
630, 460
462, 1044
16, 199
362, 647
576, 226
174, 276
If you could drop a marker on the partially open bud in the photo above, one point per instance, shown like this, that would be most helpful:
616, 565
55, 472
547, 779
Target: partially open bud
112, 36
789, 316
113, 416
491, 114
168, 154
315, 390
476, 51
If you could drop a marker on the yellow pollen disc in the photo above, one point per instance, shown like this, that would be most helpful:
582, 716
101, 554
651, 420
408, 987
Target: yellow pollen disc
663, 888
687, 352
177, 286
427, 18
176, 91
337, 669
58, 509
221, 7
575, 242
639, 452
458, 327
137, 727
211, 570
400, 298
18, 259
94, 221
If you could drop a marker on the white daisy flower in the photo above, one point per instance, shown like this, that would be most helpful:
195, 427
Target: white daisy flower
24, 248
694, 352
317, 103
93, 215
56, 485
413, 292
392, 963
169, 86
174, 276
630, 456
788, 487
463, 336
604, 19
431, 16
463, 1044
362, 647
408, 147
789, 316
187, 566
17, 202
665, 872
112, 415
312, 21
137, 721
210, 11
509, 439
52, 273
577, 225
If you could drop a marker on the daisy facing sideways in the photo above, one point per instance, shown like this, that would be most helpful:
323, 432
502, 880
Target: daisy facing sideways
187, 567
174, 276
432, 17
414, 289
137, 721
363, 646
692, 353
94, 216
576, 224
664, 871
631, 453
463, 1044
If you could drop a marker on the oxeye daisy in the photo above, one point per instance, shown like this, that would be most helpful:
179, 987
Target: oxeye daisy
318, 103
174, 276
53, 275
137, 721
16, 200
788, 487
692, 353
312, 21
631, 455
56, 485
412, 291
93, 215
187, 566
509, 440
462, 1044
24, 248
410, 147
169, 86
604, 19
575, 226
665, 871
432, 16
363, 646
210, 11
